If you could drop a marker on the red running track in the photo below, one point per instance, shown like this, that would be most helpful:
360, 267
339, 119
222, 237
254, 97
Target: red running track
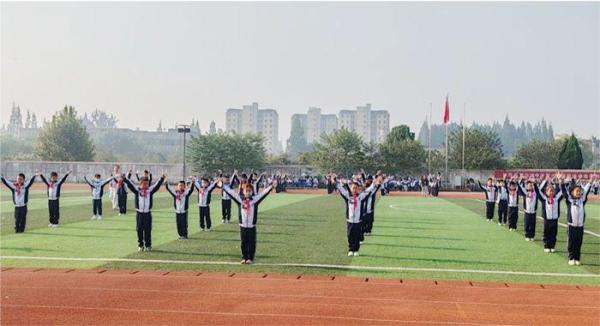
101, 297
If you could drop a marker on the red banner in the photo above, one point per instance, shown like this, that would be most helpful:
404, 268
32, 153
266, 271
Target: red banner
543, 174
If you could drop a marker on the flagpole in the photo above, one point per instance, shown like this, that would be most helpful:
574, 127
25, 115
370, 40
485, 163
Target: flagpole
463, 141
446, 123
429, 148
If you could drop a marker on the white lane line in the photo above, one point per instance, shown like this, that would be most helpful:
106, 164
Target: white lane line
326, 266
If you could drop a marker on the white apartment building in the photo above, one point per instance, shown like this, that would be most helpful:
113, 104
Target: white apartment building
250, 119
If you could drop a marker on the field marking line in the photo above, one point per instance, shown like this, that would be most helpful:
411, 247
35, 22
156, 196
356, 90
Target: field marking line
236, 314
541, 218
302, 296
308, 265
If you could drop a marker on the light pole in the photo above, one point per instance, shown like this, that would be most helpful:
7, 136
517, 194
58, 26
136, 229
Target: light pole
183, 129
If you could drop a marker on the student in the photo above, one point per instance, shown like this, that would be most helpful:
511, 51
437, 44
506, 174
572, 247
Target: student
181, 198
550, 200
147, 175
490, 191
20, 197
143, 206
97, 186
529, 192
502, 202
247, 217
204, 191
121, 192
513, 205
225, 200
53, 192
369, 211
112, 188
576, 200
354, 211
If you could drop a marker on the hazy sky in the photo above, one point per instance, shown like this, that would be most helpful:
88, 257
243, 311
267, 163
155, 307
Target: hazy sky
147, 62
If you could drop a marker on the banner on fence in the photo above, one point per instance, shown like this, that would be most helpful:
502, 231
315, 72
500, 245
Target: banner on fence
543, 174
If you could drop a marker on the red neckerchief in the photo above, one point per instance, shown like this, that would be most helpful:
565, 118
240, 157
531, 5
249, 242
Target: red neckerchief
144, 192
17, 187
246, 205
120, 183
551, 201
354, 201
531, 194
202, 190
52, 184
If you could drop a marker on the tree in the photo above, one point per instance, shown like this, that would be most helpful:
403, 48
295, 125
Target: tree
101, 119
65, 139
296, 144
400, 133
342, 151
483, 149
570, 156
211, 152
538, 154
28, 120
34, 124
401, 153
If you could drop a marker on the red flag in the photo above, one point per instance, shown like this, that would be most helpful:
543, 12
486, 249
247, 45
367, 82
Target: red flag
447, 111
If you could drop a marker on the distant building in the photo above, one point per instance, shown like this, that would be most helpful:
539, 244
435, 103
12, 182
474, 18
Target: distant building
250, 119
371, 125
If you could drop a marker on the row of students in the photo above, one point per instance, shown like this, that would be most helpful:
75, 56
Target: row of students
550, 195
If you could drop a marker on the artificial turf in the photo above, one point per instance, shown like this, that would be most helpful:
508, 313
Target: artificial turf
422, 233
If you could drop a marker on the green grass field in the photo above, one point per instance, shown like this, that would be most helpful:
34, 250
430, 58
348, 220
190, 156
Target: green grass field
422, 238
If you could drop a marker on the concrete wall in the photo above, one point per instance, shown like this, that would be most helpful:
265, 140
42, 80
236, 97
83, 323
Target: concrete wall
10, 169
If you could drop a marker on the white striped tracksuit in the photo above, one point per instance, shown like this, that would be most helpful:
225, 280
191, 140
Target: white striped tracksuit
576, 220
143, 206
20, 197
355, 207
550, 213
53, 191
181, 204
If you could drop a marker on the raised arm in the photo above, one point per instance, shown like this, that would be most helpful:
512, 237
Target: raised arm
211, 186
7, 184
565, 191
105, 182
154, 188
63, 179
586, 191
342, 190
169, 189
44, 179
87, 181
263, 194
234, 195
480, 186
130, 185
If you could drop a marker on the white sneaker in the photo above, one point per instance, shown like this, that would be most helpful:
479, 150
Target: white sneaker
120, 214
140, 249
93, 217
356, 254
571, 262
552, 250
99, 217
249, 262
50, 225
350, 254
54, 225
361, 242
499, 223
148, 249
526, 239
577, 262
546, 250
243, 261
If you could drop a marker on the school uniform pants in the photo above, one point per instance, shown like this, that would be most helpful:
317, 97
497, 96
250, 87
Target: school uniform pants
144, 229
226, 209
550, 230
114, 198
529, 222
20, 219
368, 220
489, 209
97, 207
122, 201
575, 234
53, 211
354, 232
182, 224
502, 211
248, 242
205, 217
513, 217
